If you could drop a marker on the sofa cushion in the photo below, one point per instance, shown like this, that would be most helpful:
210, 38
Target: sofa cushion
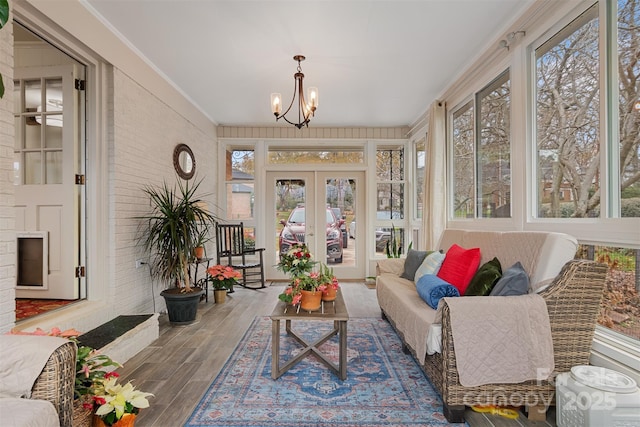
514, 281
28, 412
459, 266
485, 278
431, 289
430, 265
411, 264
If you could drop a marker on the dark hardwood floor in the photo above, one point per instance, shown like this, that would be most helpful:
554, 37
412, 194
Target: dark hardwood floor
179, 367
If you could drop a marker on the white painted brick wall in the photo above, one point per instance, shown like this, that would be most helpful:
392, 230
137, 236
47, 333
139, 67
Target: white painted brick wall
7, 221
145, 133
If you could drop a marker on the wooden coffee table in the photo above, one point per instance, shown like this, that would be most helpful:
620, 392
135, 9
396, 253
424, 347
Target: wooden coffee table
335, 311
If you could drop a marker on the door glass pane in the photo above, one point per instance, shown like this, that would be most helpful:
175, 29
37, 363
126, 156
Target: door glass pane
17, 121
341, 193
32, 168
53, 95
17, 174
53, 167
32, 96
32, 133
290, 213
53, 131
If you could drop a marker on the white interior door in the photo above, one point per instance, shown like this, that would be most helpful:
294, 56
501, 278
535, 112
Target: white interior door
300, 207
47, 159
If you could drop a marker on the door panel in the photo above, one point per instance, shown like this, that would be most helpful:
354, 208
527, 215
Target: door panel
47, 198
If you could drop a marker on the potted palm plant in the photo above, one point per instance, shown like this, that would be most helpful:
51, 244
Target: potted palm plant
169, 233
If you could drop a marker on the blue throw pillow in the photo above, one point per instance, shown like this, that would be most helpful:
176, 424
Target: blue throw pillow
514, 281
431, 289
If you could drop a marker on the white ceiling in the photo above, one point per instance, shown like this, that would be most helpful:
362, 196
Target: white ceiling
375, 63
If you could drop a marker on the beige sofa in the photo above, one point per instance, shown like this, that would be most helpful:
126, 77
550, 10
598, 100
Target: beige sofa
571, 289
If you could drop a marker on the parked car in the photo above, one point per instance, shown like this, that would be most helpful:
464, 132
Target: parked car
383, 234
343, 226
293, 232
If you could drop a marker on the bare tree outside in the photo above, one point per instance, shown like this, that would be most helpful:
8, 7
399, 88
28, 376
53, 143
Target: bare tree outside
568, 98
494, 149
464, 162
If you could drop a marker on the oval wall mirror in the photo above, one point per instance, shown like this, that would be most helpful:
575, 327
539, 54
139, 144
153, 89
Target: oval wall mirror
184, 161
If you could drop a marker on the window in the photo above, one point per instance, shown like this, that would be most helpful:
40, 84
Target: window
494, 149
280, 155
390, 206
239, 179
463, 162
628, 70
567, 121
419, 169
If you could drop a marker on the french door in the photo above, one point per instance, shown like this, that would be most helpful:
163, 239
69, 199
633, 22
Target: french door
48, 199
316, 208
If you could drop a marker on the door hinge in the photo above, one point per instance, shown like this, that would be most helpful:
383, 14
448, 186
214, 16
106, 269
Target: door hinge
79, 84
80, 271
79, 179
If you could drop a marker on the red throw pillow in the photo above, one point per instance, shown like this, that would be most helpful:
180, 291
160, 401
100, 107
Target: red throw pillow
459, 266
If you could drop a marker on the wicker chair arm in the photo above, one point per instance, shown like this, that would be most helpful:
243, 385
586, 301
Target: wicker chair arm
57, 380
573, 302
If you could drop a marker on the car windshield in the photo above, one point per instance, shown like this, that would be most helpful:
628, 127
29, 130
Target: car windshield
297, 216
330, 217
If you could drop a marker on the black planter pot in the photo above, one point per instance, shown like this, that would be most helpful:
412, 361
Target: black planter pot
182, 307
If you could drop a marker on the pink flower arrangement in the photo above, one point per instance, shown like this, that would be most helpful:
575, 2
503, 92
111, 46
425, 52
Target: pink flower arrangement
223, 276
321, 280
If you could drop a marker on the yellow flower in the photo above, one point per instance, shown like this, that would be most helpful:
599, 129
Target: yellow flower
118, 398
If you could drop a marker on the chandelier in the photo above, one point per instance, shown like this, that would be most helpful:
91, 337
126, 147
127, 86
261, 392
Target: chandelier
305, 109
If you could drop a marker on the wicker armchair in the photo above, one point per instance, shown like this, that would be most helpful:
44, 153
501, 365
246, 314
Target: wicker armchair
57, 380
573, 301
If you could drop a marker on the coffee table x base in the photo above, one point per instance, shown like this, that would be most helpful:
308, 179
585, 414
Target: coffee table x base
339, 328
336, 312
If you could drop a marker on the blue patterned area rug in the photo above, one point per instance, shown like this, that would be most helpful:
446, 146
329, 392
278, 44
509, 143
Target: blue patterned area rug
384, 386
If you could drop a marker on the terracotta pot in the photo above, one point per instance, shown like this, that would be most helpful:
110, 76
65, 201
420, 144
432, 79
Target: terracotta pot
127, 420
311, 300
198, 252
329, 294
219, 295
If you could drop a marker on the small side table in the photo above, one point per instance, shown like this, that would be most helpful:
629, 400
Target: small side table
336, 312
202, 282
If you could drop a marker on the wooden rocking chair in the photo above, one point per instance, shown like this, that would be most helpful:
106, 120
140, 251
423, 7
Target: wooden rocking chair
233, 251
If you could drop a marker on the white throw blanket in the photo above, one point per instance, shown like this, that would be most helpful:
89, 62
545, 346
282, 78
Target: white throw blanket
501, 339
22, 358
